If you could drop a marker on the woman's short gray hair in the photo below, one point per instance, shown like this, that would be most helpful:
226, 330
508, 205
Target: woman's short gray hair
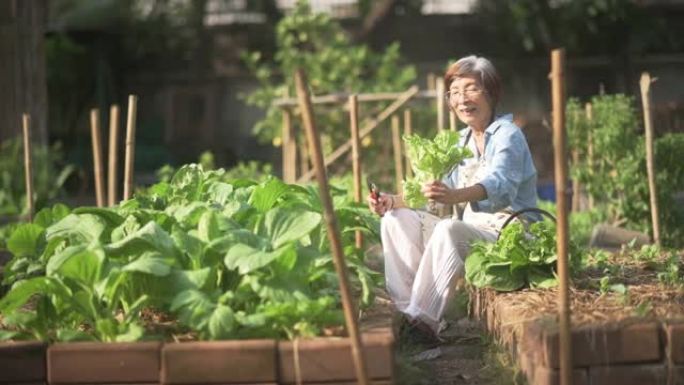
479, 67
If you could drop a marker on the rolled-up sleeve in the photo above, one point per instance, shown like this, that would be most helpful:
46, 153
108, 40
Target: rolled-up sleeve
504, 173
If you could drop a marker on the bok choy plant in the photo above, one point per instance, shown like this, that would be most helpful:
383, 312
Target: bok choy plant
227, 258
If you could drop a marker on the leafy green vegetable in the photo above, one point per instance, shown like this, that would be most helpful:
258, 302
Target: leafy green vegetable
431, 160
228, 259
518, 258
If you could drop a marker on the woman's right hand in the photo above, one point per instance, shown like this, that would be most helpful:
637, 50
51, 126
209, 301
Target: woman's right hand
381, 204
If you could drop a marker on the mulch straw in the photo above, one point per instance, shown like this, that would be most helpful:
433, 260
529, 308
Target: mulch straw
645, 299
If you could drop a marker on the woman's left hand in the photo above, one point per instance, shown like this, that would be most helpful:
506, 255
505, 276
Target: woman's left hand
438, 192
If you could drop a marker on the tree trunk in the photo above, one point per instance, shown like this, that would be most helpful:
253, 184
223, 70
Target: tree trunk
22, 67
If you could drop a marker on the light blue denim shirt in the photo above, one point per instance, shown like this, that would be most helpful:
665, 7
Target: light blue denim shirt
510, 178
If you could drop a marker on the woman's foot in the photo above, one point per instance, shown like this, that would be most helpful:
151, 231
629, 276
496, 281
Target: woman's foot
419, 332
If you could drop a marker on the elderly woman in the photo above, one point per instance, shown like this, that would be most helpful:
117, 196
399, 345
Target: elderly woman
425, 254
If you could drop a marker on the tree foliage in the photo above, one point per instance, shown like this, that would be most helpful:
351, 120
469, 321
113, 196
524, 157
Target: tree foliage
614, 170
333, 64
581, 26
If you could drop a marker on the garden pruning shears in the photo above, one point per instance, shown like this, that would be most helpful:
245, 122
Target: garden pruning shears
373, 188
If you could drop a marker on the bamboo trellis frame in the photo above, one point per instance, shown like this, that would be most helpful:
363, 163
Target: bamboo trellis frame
289, 145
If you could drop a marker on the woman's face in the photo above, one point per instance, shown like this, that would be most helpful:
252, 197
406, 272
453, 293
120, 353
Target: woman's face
468, 98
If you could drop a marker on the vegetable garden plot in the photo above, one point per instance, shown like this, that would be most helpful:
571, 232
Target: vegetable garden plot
628, 314
197, 258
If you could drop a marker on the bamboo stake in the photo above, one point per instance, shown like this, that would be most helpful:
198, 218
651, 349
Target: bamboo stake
452, 121
130, 146
28, 164
408, 130
590, 146
369, 126
396, 144
645, 84
331, 222
303, 158
561, 164
431, 80
356, 156
575, 182
289, 148
97, 156
114, 113
441, 111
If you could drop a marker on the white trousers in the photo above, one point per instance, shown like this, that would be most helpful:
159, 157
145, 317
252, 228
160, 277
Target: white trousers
423, 257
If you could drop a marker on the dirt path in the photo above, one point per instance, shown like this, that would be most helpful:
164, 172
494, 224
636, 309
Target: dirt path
468, 357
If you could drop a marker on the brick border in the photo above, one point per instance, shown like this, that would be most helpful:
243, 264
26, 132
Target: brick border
633, 352
323, 360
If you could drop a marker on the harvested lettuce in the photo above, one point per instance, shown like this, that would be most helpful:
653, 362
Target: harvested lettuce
430, 160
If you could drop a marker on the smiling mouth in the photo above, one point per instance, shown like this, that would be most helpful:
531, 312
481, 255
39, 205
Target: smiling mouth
468, 110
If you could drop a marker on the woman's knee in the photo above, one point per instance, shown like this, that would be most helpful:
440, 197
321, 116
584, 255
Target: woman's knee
450, 227
396, 218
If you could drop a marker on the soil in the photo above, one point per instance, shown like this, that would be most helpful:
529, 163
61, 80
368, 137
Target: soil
466, 357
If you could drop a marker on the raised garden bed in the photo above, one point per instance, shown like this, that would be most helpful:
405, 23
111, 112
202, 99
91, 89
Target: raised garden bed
630, 336
319, 360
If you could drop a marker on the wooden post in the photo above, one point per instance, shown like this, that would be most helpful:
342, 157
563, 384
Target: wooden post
575, 182
28, 164
453, 126
97, 156
303, 158
439, 86
561, 171
645, 84
408, 130
398, 161
590, 146
289, 148
367, 128
112, 176
130, 146
314, 141
356, 156
431, 81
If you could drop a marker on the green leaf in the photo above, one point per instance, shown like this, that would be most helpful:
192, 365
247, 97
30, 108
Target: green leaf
84, 302
283, 225
128, 227
26, 240
50, 215
133, 332
193, 307
87, 227
109, 216
189, 245
187, 214
150, 237
73, 335
541, 278
190, 279
150, 263
6, 335
22, 291
80, 263
219, 192
265, 195
208, 227
247, 259
221, 322
500, 278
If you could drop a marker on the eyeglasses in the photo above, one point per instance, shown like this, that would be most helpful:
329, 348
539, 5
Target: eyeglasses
469, 92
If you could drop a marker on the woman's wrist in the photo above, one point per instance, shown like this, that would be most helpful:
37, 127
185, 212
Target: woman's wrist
391, 202
398, 202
